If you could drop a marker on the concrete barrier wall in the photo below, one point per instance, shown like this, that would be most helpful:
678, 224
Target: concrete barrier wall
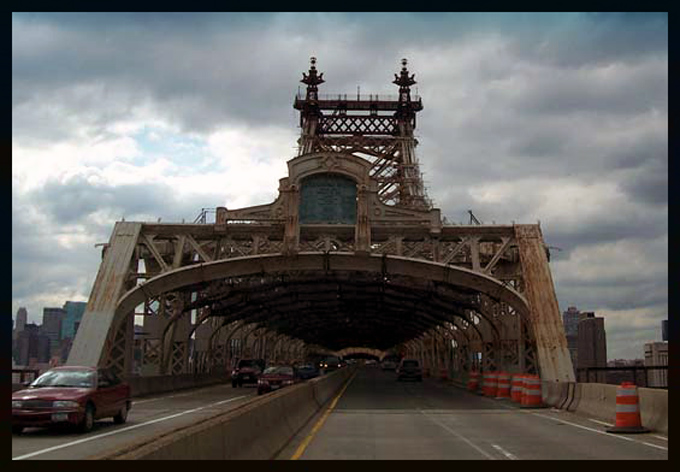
654, 409
598, 401
257, 430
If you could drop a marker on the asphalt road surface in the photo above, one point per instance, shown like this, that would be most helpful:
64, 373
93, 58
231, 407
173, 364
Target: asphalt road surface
378, 417
148, 418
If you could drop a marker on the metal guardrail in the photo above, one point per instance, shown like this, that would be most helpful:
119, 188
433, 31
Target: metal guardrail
630, 373
374, 97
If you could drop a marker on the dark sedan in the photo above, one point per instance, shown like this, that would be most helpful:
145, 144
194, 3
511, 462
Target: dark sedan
409, 369
75, 396
276, 377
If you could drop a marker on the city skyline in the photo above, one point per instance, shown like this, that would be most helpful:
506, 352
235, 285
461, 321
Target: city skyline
114, 117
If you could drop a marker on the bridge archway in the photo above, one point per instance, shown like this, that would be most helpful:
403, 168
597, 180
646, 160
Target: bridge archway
332, 299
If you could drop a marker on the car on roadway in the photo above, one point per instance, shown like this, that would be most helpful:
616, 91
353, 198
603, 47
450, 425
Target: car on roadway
307, 371
389, 364
247, 371
409, 369
275, 377
71, 396
331, 363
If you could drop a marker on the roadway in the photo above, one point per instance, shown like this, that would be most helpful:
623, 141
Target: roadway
379, 418
148, 419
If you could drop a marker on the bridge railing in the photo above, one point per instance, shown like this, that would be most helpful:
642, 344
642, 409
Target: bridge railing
655, 376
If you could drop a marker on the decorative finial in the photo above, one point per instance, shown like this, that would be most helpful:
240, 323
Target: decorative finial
312, 60
404, 62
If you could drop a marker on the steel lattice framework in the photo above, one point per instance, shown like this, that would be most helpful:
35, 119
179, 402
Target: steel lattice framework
257, 281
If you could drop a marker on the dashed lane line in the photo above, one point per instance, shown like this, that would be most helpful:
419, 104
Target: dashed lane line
504, 452
625, 438
459, 436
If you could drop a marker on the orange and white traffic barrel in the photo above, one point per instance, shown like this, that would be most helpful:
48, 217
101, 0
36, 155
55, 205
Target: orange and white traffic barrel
627, 410
473, 381
517, 384
503, 390
489, 384
531, 393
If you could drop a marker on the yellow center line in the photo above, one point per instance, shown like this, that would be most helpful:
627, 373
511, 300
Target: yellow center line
301, 449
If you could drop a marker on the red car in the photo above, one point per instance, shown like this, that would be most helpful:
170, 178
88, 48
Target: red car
74, 396
275, 377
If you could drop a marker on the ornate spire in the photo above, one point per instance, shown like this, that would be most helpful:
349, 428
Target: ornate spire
404, 82
312, 80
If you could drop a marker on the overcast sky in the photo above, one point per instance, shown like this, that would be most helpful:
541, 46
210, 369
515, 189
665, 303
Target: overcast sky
561, 118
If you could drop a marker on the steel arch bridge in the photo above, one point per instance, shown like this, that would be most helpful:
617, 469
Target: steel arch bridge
351, 255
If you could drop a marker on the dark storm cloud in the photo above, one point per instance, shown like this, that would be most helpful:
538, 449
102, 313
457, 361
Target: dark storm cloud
203, 70
76, 199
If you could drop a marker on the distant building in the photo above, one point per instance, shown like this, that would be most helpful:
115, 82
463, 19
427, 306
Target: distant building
570, 320
73, 314
51, 325
32, 346
664, 330
592, 345
22, 319
656, 354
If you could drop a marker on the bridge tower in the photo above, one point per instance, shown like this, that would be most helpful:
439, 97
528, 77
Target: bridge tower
374, 127
350, 257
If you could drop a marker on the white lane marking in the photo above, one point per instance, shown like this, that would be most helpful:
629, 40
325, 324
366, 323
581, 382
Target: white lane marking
600, 422
458, 435
660, 437
137, 402
157, 420
560, 420
504, 452
654, 445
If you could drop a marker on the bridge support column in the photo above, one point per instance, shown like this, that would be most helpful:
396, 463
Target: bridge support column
551, 345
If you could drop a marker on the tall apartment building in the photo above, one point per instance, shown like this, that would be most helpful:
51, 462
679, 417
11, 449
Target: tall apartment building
656, 354
31, 346
570, 320
22, 319
51, 325
592, 345
664, 330
73, 314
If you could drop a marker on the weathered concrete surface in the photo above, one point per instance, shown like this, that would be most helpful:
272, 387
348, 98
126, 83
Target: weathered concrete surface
88, 345
257, 430
654, 409
551, 342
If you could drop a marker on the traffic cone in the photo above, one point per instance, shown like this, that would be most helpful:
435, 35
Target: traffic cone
503, 390
517, 387
627, 410
531, 393
490, 383
473, 381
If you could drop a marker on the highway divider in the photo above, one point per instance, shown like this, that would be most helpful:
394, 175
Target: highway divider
259, 429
